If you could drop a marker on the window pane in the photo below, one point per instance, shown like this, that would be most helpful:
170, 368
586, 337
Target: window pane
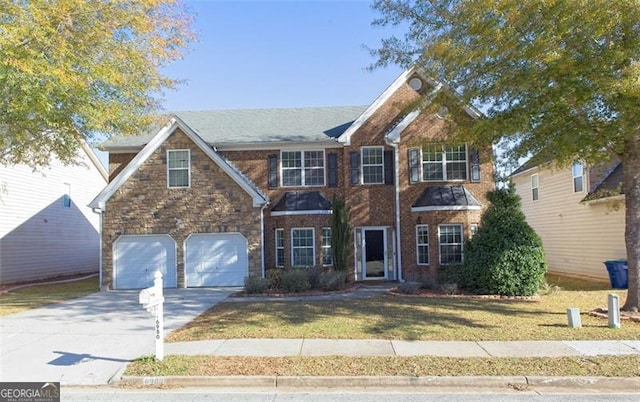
314, 159
327, 255
178, 178
314, 177
456, 171
372, 174
372, 156
450, 239
292, 177
432, 172
291, 160
422, 243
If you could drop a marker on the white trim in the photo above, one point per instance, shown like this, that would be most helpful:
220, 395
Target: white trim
385, 257
310, 212
322, 246
313, 231
444, 162
582, 177
461, 226
275, 242
423, 244
262, 247
447, 208
345, 138
537, 187
99, 202
94, 159
188, 168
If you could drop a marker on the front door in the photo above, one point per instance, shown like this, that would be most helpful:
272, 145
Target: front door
374, 253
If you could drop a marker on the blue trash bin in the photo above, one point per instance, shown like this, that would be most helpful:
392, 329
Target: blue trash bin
618, 273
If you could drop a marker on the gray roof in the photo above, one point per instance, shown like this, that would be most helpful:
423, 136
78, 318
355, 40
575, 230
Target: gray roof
446, 196
251, 126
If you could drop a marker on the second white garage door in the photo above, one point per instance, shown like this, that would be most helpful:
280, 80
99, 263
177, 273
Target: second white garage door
219, 259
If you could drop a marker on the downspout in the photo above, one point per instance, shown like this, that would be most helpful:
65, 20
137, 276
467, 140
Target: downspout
396, 151
99, 212
262, 255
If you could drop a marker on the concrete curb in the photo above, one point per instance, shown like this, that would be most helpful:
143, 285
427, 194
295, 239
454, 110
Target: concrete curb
512, 382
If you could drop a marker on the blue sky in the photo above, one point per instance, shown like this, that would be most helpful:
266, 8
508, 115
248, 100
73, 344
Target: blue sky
261, 54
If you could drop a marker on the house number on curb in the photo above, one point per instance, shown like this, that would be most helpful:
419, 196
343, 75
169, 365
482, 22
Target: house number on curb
152, 300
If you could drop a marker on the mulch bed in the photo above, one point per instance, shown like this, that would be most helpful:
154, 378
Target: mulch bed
348, 289
434, 294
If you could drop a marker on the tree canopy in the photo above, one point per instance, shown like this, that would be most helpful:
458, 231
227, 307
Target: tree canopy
73, 68
560, 79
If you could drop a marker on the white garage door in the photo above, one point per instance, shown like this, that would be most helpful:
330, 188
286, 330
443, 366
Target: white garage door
218, 259
137, 258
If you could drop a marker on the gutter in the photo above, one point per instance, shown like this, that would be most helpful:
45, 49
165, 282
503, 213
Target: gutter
396, 151
262, 253
99, 212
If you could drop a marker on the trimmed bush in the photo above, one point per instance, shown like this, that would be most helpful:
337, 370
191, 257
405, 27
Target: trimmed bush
296, 280
255, 284
274, 278
506, 256
410, 288
332, 280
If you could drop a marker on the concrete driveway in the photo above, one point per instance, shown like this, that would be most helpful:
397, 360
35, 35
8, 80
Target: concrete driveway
87, 341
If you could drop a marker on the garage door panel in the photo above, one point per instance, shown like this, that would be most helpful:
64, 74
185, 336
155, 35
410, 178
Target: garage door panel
218, 259
137, 258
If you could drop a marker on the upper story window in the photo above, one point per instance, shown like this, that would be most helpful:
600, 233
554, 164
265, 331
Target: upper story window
534, 187
372, 165
302, 168
178, 168
441, 163
577, 171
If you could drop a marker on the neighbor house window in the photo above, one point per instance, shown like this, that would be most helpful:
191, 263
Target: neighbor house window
178, 168
441, 163
422, 244
303, 247
372, 165
327, 255
578, 177
302, 168
534, 187
450, 242
66, 198
280, 248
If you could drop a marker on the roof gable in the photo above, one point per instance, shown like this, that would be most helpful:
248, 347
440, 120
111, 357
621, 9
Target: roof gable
161, 136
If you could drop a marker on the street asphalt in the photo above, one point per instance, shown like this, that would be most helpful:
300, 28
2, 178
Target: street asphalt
90, 340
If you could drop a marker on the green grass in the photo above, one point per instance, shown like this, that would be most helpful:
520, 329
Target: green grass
611, 366
41, 295
415, 318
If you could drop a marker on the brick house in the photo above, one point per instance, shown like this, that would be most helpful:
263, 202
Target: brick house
215, 196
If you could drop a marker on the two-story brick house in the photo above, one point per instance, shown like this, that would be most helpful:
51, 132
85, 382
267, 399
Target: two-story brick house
215, 196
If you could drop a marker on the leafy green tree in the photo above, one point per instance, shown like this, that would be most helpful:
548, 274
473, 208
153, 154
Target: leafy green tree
559, 79
73, 68
506, 256
340, 234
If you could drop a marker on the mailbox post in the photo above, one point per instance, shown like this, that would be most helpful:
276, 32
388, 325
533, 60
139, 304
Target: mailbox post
152, 300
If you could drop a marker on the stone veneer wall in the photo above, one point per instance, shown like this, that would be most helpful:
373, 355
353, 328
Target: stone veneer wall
213, 204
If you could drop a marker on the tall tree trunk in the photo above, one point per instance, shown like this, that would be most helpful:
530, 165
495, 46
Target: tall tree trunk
631, 188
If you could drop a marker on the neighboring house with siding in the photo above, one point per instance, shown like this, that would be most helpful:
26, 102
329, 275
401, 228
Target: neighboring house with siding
578, 211
46, 226
215, 196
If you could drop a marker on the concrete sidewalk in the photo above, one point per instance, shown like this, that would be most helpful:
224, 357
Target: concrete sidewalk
377, 347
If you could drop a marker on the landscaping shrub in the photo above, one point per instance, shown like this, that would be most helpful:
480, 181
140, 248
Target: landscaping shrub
449, 274
314, 277
505, 257
296, 280
410, 288
255, 284
274, 278
332, 280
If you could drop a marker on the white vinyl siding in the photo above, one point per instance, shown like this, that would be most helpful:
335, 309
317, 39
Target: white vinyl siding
39, 236
372, 165
302, 168
422, 244
178, 168
577, 237
450, 241
303, 247
578, 177
327, 255
279, 248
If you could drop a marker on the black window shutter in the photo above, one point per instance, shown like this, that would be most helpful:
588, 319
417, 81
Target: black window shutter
388, 167
475, 165
354, 166
273, 171
332, 161
414, 165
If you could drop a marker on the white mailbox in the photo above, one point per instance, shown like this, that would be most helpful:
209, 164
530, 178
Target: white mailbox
152, 300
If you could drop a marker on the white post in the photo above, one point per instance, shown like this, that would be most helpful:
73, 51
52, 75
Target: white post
157, 284
614, 311
573, 315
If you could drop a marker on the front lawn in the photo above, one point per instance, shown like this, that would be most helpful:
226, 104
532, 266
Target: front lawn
41, 295
415, 318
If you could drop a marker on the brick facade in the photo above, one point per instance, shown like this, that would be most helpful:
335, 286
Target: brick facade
215, 203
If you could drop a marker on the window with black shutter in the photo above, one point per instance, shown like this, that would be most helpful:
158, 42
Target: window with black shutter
354, 167
273, 171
